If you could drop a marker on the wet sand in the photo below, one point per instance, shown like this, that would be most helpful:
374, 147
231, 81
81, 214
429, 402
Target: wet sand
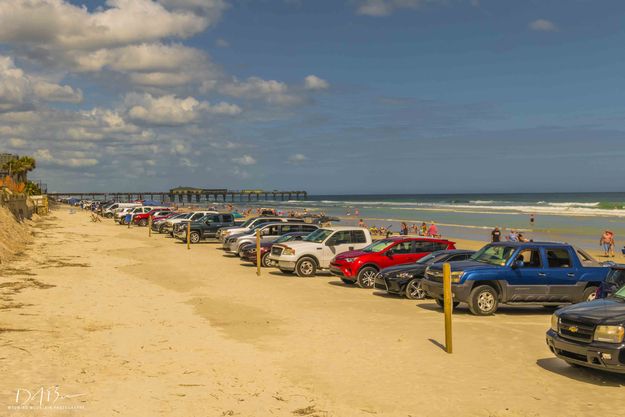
144, 327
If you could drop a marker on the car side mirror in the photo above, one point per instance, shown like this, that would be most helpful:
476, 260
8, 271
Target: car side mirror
518, 264
389, 253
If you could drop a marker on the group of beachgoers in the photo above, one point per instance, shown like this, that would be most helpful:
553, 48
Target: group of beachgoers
513, 236
405, 229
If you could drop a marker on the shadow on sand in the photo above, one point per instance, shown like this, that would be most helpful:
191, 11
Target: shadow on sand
463, 309
587, 375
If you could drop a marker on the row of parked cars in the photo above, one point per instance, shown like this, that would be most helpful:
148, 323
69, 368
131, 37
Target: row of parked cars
590, 331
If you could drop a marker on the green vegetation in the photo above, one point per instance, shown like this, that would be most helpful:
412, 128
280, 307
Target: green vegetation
18, 168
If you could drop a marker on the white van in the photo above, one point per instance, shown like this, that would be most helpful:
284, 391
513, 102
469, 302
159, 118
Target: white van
110, 210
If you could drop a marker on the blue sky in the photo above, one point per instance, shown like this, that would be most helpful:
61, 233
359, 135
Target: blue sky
341, 96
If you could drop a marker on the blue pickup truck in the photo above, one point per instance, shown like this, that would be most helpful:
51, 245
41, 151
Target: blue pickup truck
543, 273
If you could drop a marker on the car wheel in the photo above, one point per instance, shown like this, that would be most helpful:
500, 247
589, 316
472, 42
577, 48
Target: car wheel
194, 237
590, 294
483, 300
266, 262
414, 291
286, 271
143, 222
366, 277
348, 282
441, 303
306, 267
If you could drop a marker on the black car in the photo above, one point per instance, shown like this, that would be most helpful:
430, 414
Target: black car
406, 279
591, 334
613, 282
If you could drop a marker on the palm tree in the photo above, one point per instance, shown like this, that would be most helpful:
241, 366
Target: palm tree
19, 167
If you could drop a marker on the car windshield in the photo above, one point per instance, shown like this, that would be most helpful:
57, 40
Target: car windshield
431, 258
616, 276
318, 235
494, 254
284, 238
620, 293
378, 245
247, 223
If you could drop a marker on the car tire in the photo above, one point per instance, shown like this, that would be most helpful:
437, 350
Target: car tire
590, 294
441, 303
286, 271
265, 261
483, 300
366, 277
143, 222
414, 291
194, 237
306, 267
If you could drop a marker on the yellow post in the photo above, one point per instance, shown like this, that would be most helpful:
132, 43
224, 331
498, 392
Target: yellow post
150, 226
189, 235
258, 252
448, 303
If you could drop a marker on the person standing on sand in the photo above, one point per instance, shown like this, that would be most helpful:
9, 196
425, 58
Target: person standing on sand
607, 242
361, 223
415, 229
424, 229
404, 229
496, 235
532, 219
433, 230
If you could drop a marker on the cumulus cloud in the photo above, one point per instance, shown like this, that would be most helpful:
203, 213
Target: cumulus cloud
386, 7
57, 23
312, 82
297, 158
170, 110
255, 88
244, 160
543, 25
45, 157
20, 91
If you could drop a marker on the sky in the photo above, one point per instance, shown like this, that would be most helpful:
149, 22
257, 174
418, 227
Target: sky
328, 96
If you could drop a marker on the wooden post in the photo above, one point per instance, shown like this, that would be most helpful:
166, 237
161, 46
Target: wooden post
448, 303
150, 226
258, 252
189, 234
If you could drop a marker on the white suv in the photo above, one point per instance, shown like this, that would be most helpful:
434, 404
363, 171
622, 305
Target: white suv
316, 250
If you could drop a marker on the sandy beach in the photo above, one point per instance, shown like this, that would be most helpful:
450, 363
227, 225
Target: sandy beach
118, 323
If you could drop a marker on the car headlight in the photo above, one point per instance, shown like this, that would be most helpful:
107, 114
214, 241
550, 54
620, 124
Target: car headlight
609, 334
404, 275
288, 251
555, 322
456, 276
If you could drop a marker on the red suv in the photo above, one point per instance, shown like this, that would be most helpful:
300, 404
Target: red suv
143, 218
361, 266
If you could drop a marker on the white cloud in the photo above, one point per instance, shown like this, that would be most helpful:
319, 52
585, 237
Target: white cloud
255, 88
543, 25
222, 43
386, 7
21, 91
170, 110
297, 158
244, 160
45, 157
312, 82
57, 23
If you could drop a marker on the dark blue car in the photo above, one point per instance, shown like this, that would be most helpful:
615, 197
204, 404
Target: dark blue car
542, 273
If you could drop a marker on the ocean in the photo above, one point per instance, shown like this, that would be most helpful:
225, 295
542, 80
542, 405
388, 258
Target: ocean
577, 218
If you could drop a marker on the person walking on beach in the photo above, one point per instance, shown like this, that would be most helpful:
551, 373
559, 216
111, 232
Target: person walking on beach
424, 229
433, 230
404, 229
513, 236
496, 235
607, 242
361, 223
